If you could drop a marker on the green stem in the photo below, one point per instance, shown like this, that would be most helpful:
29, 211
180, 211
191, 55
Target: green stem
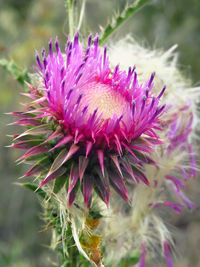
70, 11
73, 256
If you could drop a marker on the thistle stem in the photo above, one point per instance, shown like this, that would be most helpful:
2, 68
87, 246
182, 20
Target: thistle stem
73, 256
81, 14
70, 11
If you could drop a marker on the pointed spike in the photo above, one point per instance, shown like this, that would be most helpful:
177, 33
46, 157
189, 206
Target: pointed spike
88, 183
116, 162
118, 185
100, 155
39, 149
73, 149
118, 144
102, 184
140, 175
43, 129
73, 178
129, 170
62, 157
37, 168
88, 148
54, 135
72, 196
52, 176
83, 163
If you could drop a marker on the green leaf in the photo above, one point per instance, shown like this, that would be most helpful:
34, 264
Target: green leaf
128, 11
59, 183
21, 75
131, 259
33, 187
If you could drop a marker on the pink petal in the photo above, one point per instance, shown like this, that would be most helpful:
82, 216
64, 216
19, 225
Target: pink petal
88, 148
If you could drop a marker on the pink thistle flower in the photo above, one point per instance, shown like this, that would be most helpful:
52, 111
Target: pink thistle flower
91, 123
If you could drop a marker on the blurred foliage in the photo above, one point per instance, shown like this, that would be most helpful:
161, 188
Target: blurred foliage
26, 26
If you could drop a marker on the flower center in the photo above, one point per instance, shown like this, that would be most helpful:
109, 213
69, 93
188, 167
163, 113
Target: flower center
108, 101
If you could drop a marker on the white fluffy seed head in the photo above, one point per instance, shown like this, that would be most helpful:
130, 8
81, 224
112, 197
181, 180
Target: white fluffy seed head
122, 232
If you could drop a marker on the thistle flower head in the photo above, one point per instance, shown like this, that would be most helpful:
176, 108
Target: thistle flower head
99, 123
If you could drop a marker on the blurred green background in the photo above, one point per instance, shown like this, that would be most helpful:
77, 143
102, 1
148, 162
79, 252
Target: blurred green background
26, 26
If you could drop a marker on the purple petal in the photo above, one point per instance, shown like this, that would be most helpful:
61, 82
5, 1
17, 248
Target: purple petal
142, 262
167, 254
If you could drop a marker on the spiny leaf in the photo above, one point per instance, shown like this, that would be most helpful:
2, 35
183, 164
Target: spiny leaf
33, 187
21, 75
128, 11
